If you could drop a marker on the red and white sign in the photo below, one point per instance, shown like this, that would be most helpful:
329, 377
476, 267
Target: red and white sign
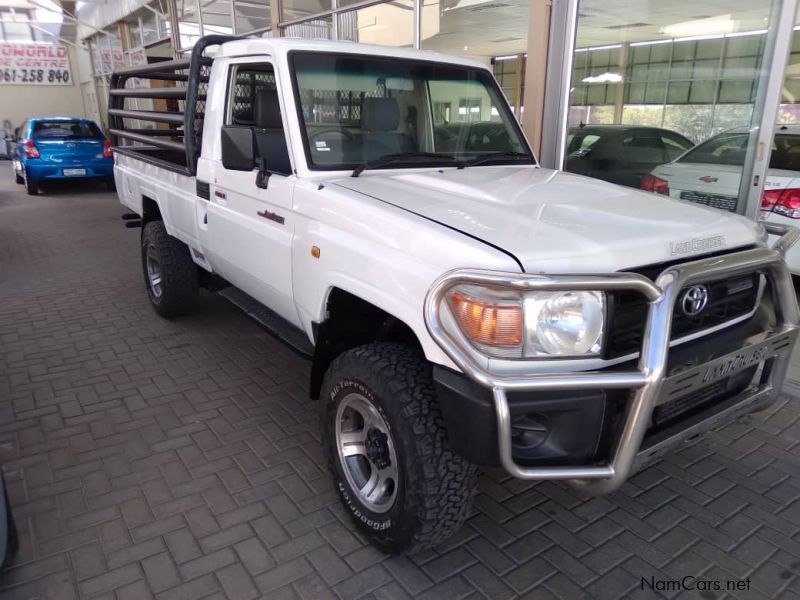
34, 64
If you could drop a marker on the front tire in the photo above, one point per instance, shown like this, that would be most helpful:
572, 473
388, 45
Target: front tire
169, 272
392, 464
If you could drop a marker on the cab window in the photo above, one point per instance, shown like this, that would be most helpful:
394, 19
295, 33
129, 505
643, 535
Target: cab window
253, 102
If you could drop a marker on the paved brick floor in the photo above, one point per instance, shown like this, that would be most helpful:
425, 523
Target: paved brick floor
180, 460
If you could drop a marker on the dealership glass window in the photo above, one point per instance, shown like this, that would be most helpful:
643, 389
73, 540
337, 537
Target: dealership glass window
482, 30
216, 17
188, 22
297, 9
509, 70
790, 102
252, 15
479, 29
667, 68
134, 33
316, 29
150, 31
14, 26
388, 24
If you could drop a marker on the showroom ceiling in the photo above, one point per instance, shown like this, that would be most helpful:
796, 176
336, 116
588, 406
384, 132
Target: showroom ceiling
497, 27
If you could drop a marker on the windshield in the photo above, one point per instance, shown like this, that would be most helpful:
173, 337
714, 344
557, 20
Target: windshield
65, 130
360, 109
730, 149
724, 149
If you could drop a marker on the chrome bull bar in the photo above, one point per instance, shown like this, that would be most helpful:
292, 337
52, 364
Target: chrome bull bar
646, 380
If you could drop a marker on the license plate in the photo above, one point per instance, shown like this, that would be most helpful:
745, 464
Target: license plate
731, 364
74, 172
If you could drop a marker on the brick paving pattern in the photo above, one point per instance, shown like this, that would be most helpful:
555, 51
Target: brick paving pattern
180, 460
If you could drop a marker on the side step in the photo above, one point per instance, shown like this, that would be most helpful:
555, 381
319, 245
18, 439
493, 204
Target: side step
270, 320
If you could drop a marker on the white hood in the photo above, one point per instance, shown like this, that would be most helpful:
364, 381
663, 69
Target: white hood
553, 222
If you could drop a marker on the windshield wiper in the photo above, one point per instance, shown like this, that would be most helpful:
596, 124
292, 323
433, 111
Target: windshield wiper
388, 159
490, 156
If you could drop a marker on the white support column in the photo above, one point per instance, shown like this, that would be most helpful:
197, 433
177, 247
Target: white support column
418, 23
561, 49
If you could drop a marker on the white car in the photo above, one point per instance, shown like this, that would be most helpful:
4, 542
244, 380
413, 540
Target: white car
710, 174
380, 210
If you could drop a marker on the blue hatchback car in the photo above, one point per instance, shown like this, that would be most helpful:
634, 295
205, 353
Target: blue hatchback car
52, 149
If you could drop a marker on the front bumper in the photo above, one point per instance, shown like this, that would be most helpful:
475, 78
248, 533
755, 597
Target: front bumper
755, 362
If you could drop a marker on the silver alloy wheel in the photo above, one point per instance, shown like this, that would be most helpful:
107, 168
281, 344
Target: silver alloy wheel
153, 271
366, 452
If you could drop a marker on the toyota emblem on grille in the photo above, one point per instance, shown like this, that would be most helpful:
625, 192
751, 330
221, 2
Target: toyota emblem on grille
694, 300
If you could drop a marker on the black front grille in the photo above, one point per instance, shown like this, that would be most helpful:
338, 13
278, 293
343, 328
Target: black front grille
671, 410
728, 299
702, 398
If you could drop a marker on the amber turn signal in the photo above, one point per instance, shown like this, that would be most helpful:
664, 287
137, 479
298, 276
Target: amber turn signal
488, 323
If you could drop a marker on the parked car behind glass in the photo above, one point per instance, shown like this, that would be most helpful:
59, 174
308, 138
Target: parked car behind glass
710, 174
54, 149
621, 154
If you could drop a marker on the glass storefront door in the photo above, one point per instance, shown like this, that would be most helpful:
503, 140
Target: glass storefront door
668, 97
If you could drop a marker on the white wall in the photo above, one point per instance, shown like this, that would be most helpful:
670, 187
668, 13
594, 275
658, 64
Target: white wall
20, 102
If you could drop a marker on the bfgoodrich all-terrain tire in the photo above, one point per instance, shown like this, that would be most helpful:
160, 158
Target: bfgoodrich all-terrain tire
169, 272
392, 464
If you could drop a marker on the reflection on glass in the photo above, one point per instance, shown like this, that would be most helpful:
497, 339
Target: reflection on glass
297, 9
388, 24
216, 17
188, 22
252, 15
134, 34
660, 83
316, 29
149, 28
481, 29
710, 173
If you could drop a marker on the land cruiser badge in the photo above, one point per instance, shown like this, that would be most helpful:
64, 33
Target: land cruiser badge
697, 245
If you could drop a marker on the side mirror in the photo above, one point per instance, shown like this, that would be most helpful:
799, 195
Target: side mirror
238, 148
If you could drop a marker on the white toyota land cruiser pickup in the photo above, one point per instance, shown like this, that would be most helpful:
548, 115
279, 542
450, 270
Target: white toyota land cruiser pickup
381, 210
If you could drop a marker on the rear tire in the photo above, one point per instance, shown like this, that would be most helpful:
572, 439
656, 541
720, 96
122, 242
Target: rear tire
111, 185
31, 187
19, 178
393, 467
170, 274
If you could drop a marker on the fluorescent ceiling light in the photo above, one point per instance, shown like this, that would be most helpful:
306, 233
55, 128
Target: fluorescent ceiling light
746, 33
608, 47
603, 78
506, 57
697, 38
651, 43
714, 25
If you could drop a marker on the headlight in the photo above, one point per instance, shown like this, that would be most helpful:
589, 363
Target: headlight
563, 323
506, 324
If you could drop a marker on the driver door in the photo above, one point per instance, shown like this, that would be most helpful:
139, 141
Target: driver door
246, 231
